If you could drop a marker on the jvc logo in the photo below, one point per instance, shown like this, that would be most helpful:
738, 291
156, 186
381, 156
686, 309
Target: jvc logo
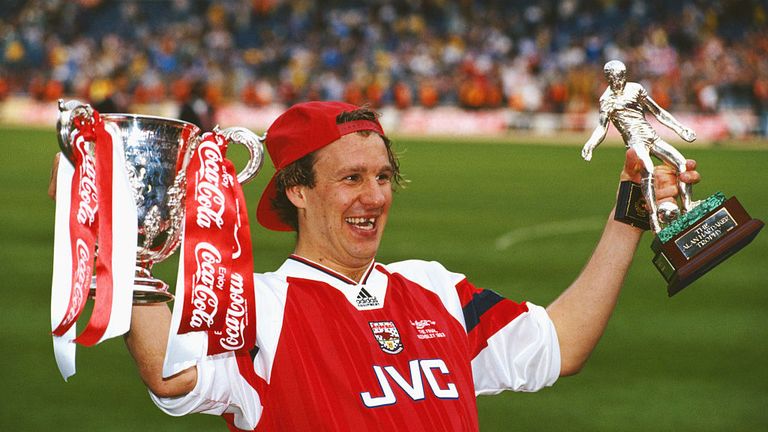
413, 387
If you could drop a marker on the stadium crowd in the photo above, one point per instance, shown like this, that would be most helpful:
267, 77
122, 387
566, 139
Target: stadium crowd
530, 55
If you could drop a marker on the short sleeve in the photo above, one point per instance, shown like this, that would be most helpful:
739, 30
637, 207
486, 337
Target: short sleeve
523, 355
514, 345
220, 389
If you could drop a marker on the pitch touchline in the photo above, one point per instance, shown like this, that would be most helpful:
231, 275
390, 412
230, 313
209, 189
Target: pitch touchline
550, 229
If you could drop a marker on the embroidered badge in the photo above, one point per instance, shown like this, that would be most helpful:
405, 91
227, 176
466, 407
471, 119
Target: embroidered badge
426, 329
387, 336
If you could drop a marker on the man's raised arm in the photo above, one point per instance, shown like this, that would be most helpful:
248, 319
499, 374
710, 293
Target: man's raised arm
582, 311
147, 341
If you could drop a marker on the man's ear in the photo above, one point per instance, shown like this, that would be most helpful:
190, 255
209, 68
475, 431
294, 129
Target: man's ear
296, 195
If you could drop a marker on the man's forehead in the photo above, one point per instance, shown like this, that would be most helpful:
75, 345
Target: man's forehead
355, 149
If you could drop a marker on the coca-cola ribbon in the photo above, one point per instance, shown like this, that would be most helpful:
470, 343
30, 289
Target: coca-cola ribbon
83, 224
217, 259
92, 197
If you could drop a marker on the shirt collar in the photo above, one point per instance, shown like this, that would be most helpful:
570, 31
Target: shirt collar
298, 266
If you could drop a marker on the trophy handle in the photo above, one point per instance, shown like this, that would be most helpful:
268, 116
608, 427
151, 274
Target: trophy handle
176, 193
253, 143
68, 112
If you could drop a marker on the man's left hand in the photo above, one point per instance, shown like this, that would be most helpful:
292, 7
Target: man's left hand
664, 175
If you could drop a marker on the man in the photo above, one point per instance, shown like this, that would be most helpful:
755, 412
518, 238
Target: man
624, 104
346, 343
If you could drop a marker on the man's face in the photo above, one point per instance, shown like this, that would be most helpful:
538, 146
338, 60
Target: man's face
342, 218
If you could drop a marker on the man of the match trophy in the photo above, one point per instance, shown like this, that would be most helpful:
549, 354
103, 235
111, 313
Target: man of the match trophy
692, 237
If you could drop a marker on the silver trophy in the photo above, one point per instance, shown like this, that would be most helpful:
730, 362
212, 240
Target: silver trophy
692, 237
157, 152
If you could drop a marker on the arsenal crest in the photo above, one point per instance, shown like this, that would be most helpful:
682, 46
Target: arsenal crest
387, 336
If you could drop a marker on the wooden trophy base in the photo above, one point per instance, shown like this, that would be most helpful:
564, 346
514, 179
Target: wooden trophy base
687, 253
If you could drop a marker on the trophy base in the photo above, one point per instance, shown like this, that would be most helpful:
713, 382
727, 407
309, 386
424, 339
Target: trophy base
146, 289
706, 242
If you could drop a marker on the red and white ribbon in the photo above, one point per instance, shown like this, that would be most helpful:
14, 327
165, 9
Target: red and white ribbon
92, 198
215, 309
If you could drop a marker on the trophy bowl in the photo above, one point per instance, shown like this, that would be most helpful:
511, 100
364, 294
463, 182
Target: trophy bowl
157, 151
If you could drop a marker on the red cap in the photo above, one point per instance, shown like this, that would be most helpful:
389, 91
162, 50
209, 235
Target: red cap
299, 131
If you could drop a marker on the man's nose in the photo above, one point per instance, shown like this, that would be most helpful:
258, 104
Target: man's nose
374, 193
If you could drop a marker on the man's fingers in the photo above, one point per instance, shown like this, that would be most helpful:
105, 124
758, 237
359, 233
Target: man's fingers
691, 177
665, 173
666, 192
633, 167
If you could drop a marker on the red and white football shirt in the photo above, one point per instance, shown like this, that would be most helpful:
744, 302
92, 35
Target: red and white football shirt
407, 348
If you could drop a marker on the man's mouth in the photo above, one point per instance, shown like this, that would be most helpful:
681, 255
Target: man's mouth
362, 223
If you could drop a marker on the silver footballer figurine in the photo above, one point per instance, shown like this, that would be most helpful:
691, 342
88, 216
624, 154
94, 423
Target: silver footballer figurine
624, 104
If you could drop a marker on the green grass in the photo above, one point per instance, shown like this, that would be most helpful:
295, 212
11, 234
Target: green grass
694, 362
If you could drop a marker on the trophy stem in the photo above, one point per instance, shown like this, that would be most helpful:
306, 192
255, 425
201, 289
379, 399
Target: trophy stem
148, 289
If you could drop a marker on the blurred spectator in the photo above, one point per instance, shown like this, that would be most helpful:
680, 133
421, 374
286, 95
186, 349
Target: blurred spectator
4, 87
196, 109
111, 95
428, 94
557, 95
761, 101
403, 95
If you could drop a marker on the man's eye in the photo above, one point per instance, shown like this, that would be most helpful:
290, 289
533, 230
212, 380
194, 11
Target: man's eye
352, 178
384, 178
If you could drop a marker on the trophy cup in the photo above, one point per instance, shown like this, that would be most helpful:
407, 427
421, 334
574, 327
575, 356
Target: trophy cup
692, 237
157, 151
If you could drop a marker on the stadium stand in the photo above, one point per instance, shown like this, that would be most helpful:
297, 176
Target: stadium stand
527, 56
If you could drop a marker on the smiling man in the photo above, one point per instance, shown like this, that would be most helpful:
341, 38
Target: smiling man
349, 344
337, 196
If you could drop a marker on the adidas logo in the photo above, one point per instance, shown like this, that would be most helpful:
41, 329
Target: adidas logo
365, 299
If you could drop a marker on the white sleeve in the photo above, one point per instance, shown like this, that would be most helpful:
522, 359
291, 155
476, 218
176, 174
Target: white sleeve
523, 356
220, 389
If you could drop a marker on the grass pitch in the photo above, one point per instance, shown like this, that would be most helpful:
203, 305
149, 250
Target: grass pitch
519, 219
